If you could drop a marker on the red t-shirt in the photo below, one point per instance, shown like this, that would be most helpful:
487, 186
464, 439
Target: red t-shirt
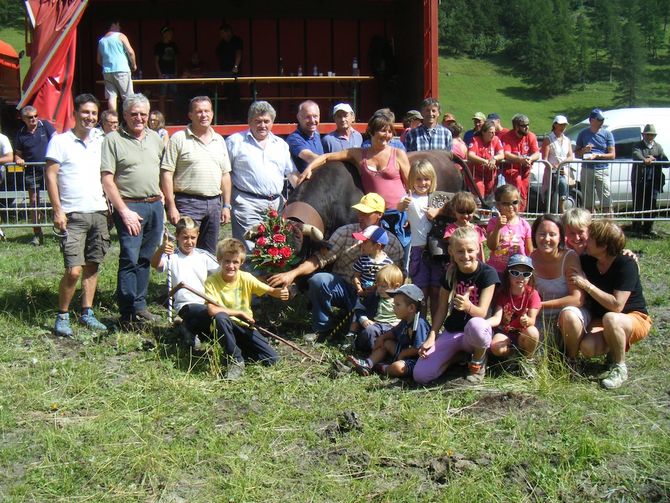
525, 146
514, 307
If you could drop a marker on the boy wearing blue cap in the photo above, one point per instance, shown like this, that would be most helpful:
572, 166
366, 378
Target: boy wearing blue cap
372, 259
401, 344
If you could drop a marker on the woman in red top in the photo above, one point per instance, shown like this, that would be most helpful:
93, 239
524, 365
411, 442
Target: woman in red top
484, 152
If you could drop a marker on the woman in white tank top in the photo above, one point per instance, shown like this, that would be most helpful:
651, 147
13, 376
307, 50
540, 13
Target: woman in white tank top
556, 148
561, 301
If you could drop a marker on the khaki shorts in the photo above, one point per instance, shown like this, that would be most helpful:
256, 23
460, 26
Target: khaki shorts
595, 187
87, 239
118, 84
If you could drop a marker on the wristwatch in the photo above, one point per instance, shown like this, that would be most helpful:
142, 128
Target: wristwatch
227, 206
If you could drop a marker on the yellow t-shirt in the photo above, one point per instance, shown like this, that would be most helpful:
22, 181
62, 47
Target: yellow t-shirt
236, 294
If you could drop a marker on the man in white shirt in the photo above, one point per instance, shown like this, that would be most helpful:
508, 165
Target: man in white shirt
79, 211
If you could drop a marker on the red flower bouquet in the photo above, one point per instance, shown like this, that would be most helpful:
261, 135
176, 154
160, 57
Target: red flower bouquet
274, 250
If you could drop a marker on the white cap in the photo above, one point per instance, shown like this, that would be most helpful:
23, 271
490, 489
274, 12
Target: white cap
343, 106
561, 119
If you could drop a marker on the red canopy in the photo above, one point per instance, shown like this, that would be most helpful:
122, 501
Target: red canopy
48, 84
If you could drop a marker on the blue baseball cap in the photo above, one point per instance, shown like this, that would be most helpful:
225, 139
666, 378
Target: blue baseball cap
373, 233
596, 113
519, 259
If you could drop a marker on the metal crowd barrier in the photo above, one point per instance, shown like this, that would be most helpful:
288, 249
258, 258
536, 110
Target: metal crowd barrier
15, 207
630, 191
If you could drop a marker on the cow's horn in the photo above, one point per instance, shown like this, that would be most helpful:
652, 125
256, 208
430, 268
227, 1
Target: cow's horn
251, 233
312, 232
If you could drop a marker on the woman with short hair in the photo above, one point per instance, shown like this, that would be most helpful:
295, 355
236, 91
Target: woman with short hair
612, 280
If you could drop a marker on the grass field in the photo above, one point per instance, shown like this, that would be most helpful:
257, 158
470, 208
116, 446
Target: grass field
134, 417
493, 85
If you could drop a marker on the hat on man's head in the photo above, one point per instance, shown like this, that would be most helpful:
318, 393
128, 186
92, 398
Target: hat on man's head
372, 233
520, 259
479, 116
346, 107
493, 117
371, 203
448, 118
166, 29
597, 114
413, 114
649, 129
412, 291
561, 119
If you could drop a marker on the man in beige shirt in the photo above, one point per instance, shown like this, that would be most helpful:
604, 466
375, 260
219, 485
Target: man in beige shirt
130, 167
195, 175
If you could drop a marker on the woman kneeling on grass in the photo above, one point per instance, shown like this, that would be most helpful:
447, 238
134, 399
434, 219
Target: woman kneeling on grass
465, 298
612, 280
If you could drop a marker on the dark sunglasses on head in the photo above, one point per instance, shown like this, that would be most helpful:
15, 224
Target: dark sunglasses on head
515, 273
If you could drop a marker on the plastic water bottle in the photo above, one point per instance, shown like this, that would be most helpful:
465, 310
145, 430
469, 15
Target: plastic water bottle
354, 68
281, 67
299, 70
315, 71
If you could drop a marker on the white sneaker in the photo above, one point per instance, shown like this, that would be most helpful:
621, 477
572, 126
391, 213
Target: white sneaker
617, 376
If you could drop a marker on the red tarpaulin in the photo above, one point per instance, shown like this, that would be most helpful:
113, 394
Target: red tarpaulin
48, 84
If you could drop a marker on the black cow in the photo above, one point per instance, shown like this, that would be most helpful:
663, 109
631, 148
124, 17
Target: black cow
324, 202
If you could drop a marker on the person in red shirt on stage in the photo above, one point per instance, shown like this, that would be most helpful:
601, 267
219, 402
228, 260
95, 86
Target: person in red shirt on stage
521, 151
485, 151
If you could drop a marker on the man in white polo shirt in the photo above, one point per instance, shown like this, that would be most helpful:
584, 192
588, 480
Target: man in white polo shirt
79, 210
195, 175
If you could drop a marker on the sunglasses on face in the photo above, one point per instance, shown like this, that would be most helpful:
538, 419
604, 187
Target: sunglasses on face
509, 203
461, 212
524, 125
515, 273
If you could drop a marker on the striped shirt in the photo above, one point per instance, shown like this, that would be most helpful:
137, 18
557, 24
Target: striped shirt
345, 249
197, 166
367, 268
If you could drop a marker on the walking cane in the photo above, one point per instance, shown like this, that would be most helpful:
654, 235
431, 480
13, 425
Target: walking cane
166, 237
260, 329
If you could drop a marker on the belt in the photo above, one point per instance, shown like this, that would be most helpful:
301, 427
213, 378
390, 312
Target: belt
149, 199
195, 196
259, 196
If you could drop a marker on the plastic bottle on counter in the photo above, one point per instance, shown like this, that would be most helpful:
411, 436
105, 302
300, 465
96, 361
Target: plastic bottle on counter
354, 68
299, 70
315, 71
281, 67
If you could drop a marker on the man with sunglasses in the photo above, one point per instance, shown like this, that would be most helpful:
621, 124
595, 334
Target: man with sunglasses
79, 211
521, 151
30, 146
130, 167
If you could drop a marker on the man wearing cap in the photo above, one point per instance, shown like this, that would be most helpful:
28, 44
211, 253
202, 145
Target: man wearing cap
345, 136
130, 170
647, 178
596, 143
448, 119
165, 62
478, 121
412, 120
430, 135
195, 175
521, 151
500, 130
327, 290
305, 142
260, 161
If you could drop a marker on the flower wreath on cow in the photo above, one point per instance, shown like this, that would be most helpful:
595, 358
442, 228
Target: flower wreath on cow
275, 244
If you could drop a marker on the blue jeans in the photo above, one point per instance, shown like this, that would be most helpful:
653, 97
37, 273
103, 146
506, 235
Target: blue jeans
325, 291
206, 211
135, 257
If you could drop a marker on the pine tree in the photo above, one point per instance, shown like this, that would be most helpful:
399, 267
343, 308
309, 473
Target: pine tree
631, 73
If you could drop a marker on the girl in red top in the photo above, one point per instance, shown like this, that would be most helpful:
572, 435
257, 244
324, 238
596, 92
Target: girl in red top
484, 152
517, 305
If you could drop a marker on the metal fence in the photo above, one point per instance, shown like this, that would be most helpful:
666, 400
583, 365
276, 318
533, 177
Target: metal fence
631, 185
24, 201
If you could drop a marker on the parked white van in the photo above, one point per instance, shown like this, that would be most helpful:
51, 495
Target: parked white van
626, 125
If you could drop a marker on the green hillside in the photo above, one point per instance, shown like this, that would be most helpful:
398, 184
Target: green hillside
470, 85
16, 38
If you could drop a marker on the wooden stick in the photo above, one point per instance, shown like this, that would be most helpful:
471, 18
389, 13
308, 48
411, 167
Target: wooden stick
262, 330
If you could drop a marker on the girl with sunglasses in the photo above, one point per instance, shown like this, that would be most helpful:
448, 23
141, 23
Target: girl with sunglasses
464, 207
516, 306
508, 233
